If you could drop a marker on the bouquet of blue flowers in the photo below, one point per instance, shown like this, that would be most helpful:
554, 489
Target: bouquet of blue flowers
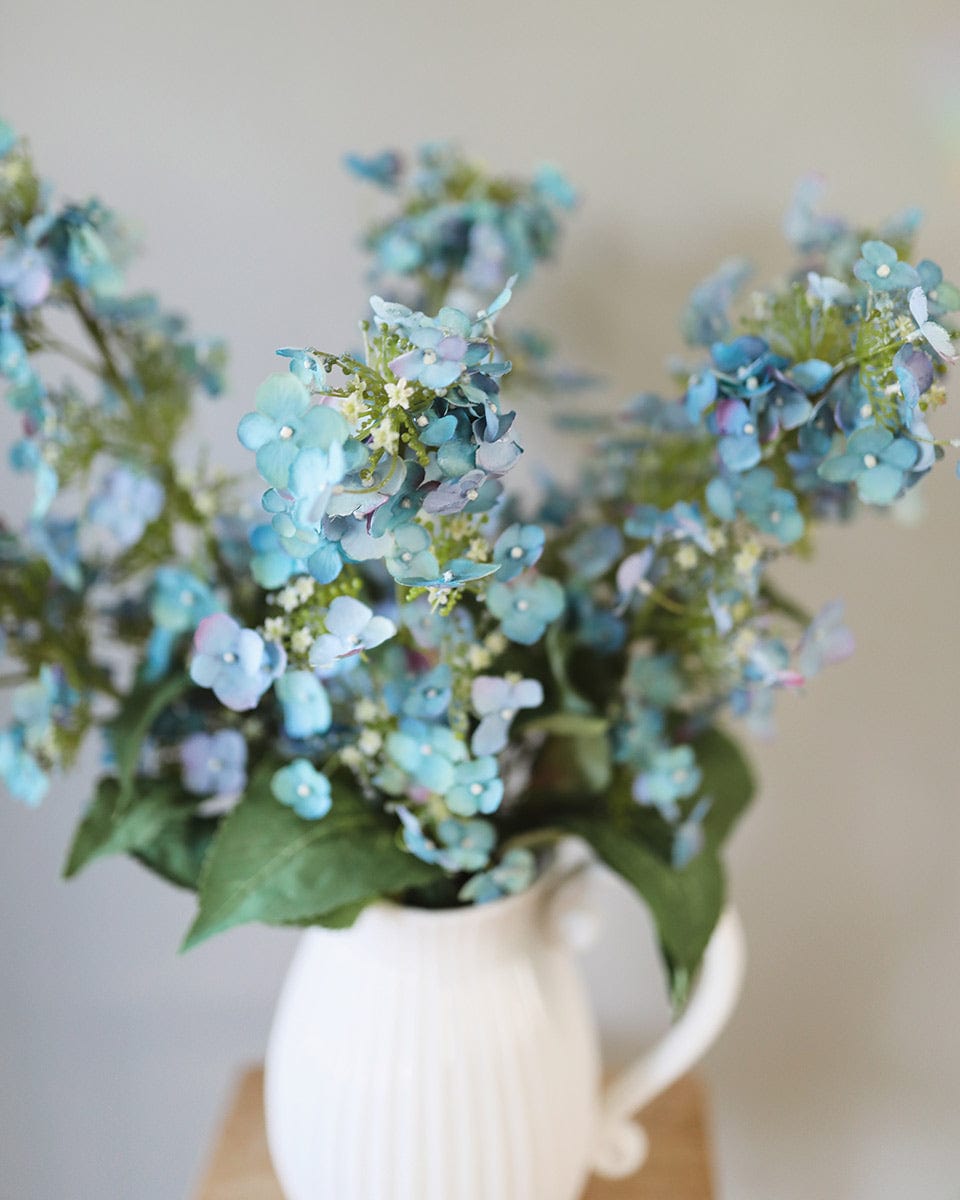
400, 680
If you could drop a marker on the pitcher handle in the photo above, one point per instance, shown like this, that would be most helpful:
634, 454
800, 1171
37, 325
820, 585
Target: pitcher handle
621, 1146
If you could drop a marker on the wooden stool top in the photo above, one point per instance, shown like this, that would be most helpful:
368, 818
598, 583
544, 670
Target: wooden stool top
678, 1167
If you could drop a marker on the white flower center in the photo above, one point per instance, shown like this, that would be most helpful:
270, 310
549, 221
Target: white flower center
472, 494
476, 789
869, 461
186, 598
429, 357
749, 429
883, 271
522, 605
431, 693
447, 576
775, 518
406, 556
507, 714
422, 421
516, 552
865, 410
679, 776
303, 790
753, 383
426, 749
229, 657
286, 431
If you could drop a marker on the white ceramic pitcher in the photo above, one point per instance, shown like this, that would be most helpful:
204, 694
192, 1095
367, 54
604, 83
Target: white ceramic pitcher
452, 1055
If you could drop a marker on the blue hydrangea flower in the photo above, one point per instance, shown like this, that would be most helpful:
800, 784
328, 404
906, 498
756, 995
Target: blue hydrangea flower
411, 557
672, 775
525, 607
682, 521
306, 367
467, 845
236, 663
454, 574
453, 495
914, 372
287, 421
512, 874
654, 679
428, 696
306, 706
826, 641
427, 754
879, 267
809, 231
439, 356
935, 335
476, 788
633, 575
496, 701
301, 787
876, 461
270, 564
25, 275
214, 764
551, 184
24, 777
351, 628
739, 444
769, 508
688, 837
516, 549
8, 139
594, 551
56, 542
125, 504
942, 297
706, 317
383, 169
178, 603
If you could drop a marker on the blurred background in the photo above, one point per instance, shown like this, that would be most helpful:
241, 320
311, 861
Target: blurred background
218, 128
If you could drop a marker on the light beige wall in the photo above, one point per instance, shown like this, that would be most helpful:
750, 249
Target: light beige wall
219, 128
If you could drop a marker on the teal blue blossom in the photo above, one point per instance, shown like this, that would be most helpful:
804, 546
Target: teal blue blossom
516, 549
879, 267
236, 663
125, 505
476, 788
427, 754
352, 627
876, 461
525, 607
214, 764
496, 701
287, 421
672, 775
301, 787
514, 873
305, 704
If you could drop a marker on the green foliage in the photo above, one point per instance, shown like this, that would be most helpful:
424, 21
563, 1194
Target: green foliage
685, 904
268, 864
158, 825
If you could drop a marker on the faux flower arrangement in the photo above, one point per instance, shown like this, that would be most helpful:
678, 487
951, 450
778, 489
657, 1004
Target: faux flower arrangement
400, 681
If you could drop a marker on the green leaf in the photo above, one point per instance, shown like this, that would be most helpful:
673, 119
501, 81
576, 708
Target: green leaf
177, 853
569, 724
727, 778
336, 918
685, 904
115, 823
140, 709
268, 864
